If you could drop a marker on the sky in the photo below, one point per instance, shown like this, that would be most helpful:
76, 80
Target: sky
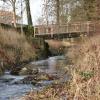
36, 9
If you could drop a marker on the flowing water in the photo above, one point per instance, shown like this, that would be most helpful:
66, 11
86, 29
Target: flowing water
9, 91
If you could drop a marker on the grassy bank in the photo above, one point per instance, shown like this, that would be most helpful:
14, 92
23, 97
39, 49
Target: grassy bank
85, 83
85, 75
14, 48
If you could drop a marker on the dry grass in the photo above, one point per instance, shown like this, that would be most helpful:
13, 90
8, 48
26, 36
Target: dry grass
15, 46
85, 83
54, 92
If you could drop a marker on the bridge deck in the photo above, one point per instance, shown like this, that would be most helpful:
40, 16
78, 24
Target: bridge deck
71, 28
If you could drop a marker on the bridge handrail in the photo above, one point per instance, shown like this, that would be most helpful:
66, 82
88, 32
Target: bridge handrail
65, 28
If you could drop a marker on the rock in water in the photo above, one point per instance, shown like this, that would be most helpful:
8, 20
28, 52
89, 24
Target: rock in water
28, 71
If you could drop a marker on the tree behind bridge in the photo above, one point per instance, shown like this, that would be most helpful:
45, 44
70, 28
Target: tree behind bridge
29, 18
63, 11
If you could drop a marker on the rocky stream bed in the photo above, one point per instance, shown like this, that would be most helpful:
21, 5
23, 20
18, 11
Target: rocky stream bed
45, 72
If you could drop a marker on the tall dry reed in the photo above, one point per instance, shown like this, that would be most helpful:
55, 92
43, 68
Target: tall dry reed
15, 46
85, 83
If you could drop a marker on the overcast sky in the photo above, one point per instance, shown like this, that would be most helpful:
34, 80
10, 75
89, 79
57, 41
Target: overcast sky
36, 9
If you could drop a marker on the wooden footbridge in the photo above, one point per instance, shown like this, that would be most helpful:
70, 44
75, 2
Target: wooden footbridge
64, 31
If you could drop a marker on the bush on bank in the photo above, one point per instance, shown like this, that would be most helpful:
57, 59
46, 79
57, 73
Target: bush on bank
85, 83
14, 47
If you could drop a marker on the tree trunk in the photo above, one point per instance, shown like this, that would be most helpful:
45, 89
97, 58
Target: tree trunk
14, 15
29, 18
57, 11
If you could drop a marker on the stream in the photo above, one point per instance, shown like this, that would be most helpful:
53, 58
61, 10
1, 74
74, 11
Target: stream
10, 91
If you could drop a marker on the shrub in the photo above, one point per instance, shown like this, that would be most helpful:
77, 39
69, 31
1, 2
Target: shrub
27, 29
15, 47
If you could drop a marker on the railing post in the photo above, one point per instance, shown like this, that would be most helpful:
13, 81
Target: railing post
94, 28
75, 27
67, 28
88, 28
34, 32
80, 28
46, 29
52, 30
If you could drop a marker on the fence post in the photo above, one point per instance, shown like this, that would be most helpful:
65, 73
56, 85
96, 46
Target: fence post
52, 30
88, 28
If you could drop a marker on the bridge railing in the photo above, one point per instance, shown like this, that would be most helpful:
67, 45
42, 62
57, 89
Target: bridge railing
66, 28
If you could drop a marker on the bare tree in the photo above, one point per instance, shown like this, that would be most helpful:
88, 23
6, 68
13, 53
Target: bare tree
75, 10
57, 11
13, 5
13, 2
29, 18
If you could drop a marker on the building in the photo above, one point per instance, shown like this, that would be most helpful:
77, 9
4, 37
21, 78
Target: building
6, 17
